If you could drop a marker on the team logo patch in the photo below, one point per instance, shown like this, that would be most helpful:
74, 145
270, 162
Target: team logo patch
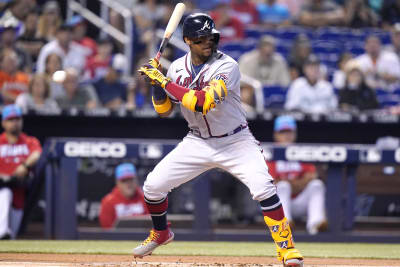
222, 76
283, 244
275, 228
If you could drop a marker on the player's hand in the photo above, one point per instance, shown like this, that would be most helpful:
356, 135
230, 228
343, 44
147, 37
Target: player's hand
21, 171
154, 75
155, 63
215, 93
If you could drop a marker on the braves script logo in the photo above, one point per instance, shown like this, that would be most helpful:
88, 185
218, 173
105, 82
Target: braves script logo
185, 82
206, 25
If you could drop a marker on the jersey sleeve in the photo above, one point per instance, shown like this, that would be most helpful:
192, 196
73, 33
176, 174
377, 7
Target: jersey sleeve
107, 213
230, 74
34, 145
307, 167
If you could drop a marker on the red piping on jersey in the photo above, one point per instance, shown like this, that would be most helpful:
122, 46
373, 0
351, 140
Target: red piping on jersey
208, 126
187, 69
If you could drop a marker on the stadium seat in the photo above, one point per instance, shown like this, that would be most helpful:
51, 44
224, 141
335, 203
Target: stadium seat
274, 96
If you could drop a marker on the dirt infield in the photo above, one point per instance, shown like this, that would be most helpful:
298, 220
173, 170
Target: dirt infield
67, 260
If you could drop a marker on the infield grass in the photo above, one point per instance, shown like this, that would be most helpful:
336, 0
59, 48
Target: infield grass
323, 250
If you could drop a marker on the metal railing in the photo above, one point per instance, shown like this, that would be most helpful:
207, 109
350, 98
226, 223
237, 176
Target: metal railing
102, 23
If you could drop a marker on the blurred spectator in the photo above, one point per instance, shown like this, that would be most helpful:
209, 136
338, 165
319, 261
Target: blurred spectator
248, 100
395, 36
54, 63
79, 29
356, 94
15, 13
294, 6
299, 52
38, 96
320, 13
50, 21
72, 54
12, 81
390, 13
97, 65
272, 13
76, 95
19, 154
142, 91
230, 27
8, 41
339, 76
311, 94
298, 187
358, 14
125, 200
112, 92
381, 68
29, 41
245, 11
264, 64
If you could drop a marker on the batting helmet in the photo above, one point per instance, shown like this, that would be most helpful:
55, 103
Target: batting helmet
199, 24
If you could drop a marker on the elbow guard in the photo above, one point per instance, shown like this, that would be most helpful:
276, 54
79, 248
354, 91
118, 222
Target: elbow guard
164, 107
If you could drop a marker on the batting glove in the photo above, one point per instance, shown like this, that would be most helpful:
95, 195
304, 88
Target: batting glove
154, 75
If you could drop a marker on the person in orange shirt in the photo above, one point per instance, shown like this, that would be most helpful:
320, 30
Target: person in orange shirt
19, 153
125, 200
12, 81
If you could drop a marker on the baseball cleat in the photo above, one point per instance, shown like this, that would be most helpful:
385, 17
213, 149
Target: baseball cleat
292, 258
155, 239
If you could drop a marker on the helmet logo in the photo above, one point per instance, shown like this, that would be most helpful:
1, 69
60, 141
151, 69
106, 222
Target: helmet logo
206, 25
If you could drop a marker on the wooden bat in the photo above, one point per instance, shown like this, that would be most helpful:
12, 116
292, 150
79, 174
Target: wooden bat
171, 27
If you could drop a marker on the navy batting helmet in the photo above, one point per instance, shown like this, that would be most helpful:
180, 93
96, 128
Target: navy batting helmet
199, 24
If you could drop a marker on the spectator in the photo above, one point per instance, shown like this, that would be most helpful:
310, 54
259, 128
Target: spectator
248, 100
15, 13
19, 154
272, 13
395, 36
359, 15
76, 95
245, 11
390, 13
112, 92
321, 13
38, 96
72, 54
125, 200
339, 76
298, 187
310, 93
54, 63
265, 65
142, 92
79, 29
381, 68
50, 21
29, 41
230, 27
299, 52
12, 81
356, 95
97, 65
8, 41
294, 6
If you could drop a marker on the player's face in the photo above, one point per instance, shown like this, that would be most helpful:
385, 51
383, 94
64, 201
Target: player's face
202, 46
127, 187
12, 126
285, 137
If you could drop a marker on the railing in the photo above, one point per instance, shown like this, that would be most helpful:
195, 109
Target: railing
126, 39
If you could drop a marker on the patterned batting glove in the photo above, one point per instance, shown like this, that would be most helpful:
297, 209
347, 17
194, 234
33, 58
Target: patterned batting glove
154, 75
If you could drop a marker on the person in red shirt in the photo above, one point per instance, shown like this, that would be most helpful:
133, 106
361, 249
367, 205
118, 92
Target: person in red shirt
298, 186
125, 200
18, 155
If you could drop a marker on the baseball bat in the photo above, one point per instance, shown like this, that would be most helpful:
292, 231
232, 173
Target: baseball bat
171, 27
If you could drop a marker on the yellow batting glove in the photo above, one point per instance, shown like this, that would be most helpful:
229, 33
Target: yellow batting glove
154, 75
155, 63
217, 89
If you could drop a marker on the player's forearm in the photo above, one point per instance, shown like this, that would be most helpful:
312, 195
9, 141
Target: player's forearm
179, 92
32, 159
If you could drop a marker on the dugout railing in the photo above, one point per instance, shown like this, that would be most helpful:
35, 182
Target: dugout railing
62, 155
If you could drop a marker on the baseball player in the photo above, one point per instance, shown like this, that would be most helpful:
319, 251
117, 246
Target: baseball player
206, 85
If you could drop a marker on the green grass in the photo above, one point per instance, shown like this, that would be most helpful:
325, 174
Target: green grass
324, 250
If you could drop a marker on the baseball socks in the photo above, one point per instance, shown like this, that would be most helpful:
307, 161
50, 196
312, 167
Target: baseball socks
278, 225
160, 234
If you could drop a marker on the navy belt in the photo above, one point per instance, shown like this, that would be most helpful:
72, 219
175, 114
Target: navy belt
236, 130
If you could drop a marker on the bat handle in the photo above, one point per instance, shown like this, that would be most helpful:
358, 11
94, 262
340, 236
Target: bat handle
163, 44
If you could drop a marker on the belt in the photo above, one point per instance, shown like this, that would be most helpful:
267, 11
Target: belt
234, 131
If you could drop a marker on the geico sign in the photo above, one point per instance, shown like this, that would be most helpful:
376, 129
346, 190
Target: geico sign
316, 153
95, 149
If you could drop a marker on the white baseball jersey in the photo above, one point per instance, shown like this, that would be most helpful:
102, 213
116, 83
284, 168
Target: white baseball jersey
227, 115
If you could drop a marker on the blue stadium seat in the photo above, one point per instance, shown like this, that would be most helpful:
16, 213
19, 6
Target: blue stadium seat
274, 96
